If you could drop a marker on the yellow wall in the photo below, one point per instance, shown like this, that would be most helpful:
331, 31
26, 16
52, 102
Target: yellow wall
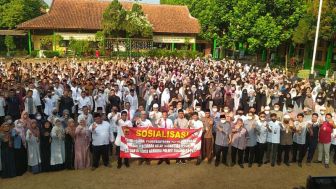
36, 41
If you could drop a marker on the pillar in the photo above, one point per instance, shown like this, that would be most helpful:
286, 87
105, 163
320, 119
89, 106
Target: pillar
329, 57
54, 41
29, 42
214, 48
172, 46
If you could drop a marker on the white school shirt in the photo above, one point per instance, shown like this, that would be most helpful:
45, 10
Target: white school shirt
262, 132
100, 102
300, 138
49, 105
36, 97
196, 124
113, 121
133, 100
102, 135
121, 123
275, 132
86, 101
145, 124
165, 124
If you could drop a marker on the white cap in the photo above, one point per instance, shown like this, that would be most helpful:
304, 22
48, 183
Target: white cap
155, 105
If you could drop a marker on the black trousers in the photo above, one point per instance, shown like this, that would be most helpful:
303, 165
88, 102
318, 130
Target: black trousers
284, 149
221, 150
301, 148
249, 154
102, 151
234, 152
312, 144
126, 160
333, 148
261, 148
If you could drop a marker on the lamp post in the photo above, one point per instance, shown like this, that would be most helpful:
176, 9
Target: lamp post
316, 36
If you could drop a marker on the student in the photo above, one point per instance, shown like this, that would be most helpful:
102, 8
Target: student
57, 155
122, 123
33, 146
45, 144
82, 146
102, 135
223, 139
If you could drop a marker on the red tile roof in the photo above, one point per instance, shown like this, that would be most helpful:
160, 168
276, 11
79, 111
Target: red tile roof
87, 15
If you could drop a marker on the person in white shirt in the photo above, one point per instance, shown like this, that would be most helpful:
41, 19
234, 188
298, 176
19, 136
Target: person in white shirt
123, 122
58, 89
50, 103
143, 122
82, 101
273, 139
262, 131
36, 95
113, 117
132, 98
130, 112
155, 115
102, 135
195, 123
100, 101
165, 123
76, 90
86, 115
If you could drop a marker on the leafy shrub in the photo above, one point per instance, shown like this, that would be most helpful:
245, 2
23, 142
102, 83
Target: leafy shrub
34, 53
51, 54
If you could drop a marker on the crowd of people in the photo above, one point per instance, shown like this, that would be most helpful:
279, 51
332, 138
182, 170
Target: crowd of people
68, 114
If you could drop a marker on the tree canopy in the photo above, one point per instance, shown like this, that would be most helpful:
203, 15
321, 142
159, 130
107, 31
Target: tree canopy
118, 22
258, 23
14, 12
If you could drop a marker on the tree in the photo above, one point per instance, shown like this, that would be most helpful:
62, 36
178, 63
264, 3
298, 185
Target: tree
14, 12
79, 47
136, 23
266, 33
305, 31
9, 42
114, 19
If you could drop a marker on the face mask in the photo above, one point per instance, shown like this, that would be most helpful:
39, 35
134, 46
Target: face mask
262, 119
267, 112
38, 117
223, 120
249, 117
322, 112
9, 121
290, 110
276, 109
198, 109
214, 109
226, 111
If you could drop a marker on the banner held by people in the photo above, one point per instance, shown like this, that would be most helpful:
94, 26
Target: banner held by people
160, 143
